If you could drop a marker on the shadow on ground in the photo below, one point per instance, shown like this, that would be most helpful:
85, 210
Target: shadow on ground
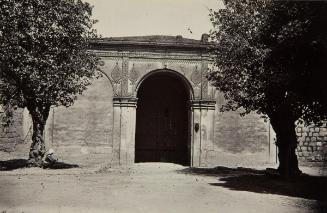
9, 165
265, 181
62, 165
13, 164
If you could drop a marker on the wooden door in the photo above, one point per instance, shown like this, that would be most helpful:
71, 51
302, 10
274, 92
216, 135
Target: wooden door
162, 121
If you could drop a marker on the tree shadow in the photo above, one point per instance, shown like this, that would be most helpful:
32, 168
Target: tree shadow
221, 171
266, 181
62, 165
9, 165
13, 164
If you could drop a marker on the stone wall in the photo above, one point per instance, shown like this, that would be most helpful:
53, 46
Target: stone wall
312, 145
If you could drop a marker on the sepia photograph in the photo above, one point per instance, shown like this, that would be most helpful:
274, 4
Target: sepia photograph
163, 106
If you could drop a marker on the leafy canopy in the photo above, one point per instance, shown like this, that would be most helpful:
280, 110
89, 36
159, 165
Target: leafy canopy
44, 53
271, 56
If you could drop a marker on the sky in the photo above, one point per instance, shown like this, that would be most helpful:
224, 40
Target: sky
189, 18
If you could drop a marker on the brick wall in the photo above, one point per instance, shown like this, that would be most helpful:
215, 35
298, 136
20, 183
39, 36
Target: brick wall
240, 141
82, 133
312, 145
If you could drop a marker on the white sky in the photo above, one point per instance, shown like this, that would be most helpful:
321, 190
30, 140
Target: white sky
153, 17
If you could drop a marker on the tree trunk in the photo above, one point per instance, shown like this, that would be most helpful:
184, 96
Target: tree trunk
37, 149
286, 142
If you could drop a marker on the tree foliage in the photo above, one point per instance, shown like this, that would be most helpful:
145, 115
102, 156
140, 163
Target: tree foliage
270, 57
44, 55
271, 52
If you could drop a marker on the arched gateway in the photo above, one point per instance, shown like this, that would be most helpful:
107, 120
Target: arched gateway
162, 119
155, 104
163, 104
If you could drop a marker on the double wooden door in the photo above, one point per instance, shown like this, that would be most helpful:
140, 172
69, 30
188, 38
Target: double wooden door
162, 121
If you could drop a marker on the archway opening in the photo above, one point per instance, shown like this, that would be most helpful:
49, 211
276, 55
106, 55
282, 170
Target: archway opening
162, 120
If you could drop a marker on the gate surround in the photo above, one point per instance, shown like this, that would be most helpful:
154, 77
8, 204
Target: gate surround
128, 61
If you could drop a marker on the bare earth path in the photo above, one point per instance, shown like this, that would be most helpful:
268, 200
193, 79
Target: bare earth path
152, 187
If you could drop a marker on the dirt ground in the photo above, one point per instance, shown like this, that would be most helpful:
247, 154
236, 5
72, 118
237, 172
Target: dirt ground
158, 187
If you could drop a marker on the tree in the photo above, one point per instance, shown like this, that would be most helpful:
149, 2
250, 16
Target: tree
270, 57
44, 58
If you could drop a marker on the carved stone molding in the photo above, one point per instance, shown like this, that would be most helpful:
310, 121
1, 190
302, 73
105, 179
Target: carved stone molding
125, 102
133, 75
116, 74
196, 76
204, 68
167, 61
153, 57
125, 77
101, 63
203, 104
182, 68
